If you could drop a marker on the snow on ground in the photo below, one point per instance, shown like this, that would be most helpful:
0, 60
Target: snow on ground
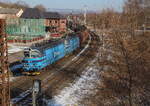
80, 89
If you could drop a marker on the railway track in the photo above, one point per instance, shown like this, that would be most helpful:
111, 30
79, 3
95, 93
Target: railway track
67, 73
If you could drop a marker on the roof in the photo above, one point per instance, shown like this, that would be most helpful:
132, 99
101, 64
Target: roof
46, 44
32, 13
9, 11
53, 15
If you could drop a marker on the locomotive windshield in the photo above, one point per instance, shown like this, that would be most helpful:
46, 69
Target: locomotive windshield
31, 53
27, 52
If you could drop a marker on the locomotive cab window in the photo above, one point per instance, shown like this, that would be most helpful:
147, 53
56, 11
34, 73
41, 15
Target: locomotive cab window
26, 54
35, 54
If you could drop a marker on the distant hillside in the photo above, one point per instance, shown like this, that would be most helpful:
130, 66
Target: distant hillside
67, 11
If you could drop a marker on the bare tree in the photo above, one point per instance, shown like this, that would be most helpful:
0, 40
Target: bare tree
125, 60
18, 4
40, 7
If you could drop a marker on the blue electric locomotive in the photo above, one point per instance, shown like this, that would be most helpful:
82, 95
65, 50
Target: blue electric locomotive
40, 56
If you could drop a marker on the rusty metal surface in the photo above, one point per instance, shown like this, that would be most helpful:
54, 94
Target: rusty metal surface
4, 74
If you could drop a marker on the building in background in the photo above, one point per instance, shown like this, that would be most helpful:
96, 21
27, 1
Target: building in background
29, 27
33, 24
55, 22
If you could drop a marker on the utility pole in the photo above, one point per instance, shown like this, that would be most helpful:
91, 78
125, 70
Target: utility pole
85, 14
34, 98
35, 91
4, 73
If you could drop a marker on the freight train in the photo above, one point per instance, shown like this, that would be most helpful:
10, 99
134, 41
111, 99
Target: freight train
41, 55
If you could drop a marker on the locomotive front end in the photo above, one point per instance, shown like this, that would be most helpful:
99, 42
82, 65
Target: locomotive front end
33, 61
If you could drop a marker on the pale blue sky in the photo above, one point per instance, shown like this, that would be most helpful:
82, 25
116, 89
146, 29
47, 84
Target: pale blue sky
77, 4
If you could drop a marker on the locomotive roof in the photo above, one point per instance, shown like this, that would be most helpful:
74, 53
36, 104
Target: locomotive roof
50, 43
